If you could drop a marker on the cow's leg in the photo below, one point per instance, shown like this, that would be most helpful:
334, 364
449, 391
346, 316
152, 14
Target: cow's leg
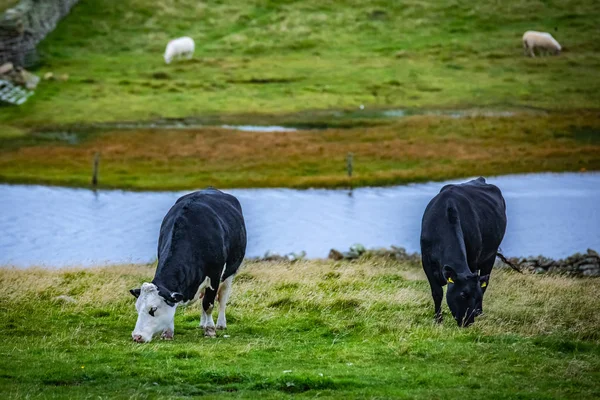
223, 293
208, 302
202, 318
485, 268
437, 291
209, 323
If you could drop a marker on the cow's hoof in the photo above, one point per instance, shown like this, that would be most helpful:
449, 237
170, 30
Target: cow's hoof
167, 335
221, 327
438, 319
210, 332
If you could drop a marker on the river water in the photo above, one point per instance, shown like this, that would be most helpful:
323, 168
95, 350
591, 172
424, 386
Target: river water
550, 214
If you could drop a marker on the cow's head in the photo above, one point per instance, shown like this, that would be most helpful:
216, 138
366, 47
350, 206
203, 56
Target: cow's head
464, 295
156, 311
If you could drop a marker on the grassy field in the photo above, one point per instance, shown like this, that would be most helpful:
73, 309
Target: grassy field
4, 4
418, 148
270, 57
291, 61
311, 329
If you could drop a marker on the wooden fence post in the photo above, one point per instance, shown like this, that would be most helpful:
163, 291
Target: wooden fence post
349, 167
95, 171
349, 164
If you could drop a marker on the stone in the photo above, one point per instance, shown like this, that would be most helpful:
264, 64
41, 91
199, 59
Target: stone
30, 80
358, 248
591, 272
540, 270
593, 253
26, 24
335, 255
292, 257
585, 267
272, 256
6, 68
48, 76
351, 255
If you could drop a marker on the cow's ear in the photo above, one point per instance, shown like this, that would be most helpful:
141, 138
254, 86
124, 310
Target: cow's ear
449, 274
484, 280
135, 292
176, 297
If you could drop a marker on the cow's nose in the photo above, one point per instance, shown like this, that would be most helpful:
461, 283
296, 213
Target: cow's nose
138, 338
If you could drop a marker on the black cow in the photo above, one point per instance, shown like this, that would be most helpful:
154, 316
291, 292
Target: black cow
201, 246
462, 228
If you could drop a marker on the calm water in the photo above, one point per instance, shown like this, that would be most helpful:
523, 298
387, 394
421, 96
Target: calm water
551, 214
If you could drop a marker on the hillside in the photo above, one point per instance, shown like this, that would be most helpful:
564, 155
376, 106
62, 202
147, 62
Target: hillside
284, 56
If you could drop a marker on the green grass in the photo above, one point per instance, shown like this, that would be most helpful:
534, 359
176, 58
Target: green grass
311, 329
4, 4
273, 57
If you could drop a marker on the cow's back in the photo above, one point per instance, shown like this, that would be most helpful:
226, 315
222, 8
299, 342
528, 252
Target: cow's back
205, 227
474, 210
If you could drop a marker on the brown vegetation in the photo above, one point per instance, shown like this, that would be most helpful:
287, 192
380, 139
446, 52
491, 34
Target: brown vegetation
411, 149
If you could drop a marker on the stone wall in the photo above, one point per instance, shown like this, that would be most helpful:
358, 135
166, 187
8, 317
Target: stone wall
578, 265
23, 26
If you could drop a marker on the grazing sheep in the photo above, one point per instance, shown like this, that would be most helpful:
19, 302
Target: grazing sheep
178, 48
539, 40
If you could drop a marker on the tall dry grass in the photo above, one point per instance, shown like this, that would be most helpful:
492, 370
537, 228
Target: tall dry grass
381, 295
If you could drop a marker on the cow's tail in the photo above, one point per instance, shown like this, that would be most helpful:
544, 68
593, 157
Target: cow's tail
505, 261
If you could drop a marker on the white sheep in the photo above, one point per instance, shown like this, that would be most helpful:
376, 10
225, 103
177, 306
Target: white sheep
539, 40
178, 48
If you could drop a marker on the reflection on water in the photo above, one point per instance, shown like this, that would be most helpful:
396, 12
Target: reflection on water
259, 128
551, 214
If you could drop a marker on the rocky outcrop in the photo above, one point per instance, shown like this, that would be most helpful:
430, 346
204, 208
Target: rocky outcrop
272, 256
23, 26
358, 250
577, 265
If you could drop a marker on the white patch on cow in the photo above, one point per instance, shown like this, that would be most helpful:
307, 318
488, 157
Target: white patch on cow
199, 293
202, 319
164, 315
223, 293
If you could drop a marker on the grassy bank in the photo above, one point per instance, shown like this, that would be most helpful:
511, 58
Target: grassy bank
295, 62
417, 148
272, 57
316, 328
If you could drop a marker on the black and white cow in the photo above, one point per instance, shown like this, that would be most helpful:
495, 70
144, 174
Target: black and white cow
201, 246
462, 228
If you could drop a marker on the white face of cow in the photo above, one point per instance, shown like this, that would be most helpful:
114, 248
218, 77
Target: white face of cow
154, 314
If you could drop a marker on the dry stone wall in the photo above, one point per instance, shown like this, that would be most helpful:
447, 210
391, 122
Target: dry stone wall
578, 265
23, 26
